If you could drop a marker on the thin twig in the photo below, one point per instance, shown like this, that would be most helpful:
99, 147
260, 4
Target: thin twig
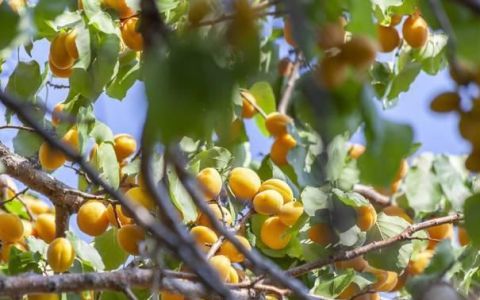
19, 127
57, 86
288, 91
255, 105
371, 195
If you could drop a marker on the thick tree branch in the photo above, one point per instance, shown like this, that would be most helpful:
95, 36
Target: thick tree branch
376, 245
373, 196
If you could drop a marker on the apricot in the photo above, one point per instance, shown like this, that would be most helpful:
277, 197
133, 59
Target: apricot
402, 170
222, 265
204, 236
11, 228
268, 202
70, 44
388, 38
322, 234
57, 111
50, 157
44, 227
129, 238
122, 218
58, 53
291, 212
280, 186
248, 110
368, 296
92, 218
463, 238
6, 248
166, 295
277, 123
140, 196
356, 150
395, 19
419, 263
360, 52
123, 10
36, 206
27, 228
331, 35
396, 211
229, 250
285, 67
386, 280
274, 233
60, 255
232, 276
350, 291
197, 10
244, 183
415, 31
43, 297
288, 33
366, 217
446, 102
280, 148
440, 232
71, 139
220, 212
332, 72
130, 35
358, 264
124, 146
211, 183
65, 73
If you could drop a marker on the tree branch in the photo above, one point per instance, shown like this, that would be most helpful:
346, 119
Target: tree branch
373, 196
376, 245
287, 93
19, 127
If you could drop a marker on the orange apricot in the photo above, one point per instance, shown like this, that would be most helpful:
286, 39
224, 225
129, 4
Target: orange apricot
70, 44
366, 217
440, 232
463, 238
415, 31
244, 183
290, 212
220, 212
204, 236
211, 183
92, 218
358, 264
388, 38
268, 202
130, 35
248, 110
60, 255
419, 262
386, 280
222, 265
71, 138
44, 227
280, 186
322, 234
277, 123
350, 291
446, 102
140, 196
129, 238
360, 52
50, 157
396, 211
65, 73
274, 233
280, 148
230, 251
57, 110
119, 218
11, 228
124, 146
58, 53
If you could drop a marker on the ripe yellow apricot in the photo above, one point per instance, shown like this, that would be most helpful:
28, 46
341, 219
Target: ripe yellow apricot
277, 123
331, 72
220, 212
248, 110
58, 53
360, 52
232, 276
356, 150
43, 297
57, 110
351, 290
36, 206
285, 67
244, 183
386, 280
291, 212
122, 218
70, 44
92, 218
211, 183
222, 265
60, 255
322, 234
358, 264
229, 250
368, 296
446, 102
50, 158
124, 145
6, 248
415, 31
166, 295
274, 233
440, 232
130, 35
280, 148
71, 138
331, 35
44, 227
268, 202
11, 228
396, 211
388, 38
419, 263
463, 238
65, 73
129, 238
204, 236
288, 33
140, 196
280, 186
366, 217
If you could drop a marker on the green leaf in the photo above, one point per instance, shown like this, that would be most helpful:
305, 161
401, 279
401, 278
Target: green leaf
22, 262
305, 158
16, 207
108, 164
401, 80
45, 12
442, 260
361, 18
335, 285
263, 93
181, 198
107, 246
396, 257
9, 22
101, 133
432, 55
85, 252
127, 74
216, 157
26, 143
350, 198
471, 211
25, 81
37, 246
98, 17
315, 199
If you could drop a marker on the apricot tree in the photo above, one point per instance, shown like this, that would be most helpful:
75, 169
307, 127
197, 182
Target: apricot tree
185, 211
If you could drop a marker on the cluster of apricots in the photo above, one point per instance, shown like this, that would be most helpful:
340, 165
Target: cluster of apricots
469, 121
276, 124
358, 52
